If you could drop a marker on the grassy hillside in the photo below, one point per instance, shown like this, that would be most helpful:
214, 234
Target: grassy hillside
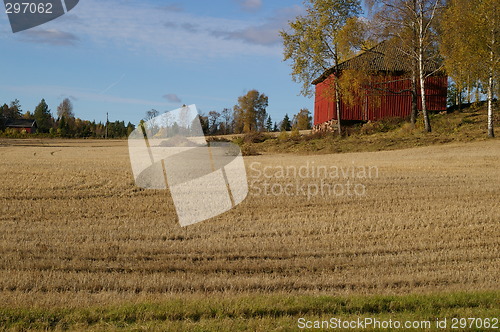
469, 124
262, 313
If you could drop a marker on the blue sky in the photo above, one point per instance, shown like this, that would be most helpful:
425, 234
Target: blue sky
128, 56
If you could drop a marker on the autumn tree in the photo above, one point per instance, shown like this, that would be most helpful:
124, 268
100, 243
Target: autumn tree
316, 42
413, 24
471, 40
302, 120
43, 117
250, 113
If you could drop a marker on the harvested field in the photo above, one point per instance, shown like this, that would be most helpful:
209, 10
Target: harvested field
75, 231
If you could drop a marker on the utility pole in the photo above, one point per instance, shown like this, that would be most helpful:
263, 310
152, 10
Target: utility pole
107, 122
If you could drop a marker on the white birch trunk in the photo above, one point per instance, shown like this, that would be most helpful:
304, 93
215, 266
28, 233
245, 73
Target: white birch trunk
491, 131
337, 106
421, 69
337, 93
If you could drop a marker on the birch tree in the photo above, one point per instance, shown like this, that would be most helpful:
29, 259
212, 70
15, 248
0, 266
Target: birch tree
250, 112
471, 36
413, 23
315, 42
65, 109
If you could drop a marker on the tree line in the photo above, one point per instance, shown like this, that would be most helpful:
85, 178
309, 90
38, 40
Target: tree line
459, 37
248, 115
65, 124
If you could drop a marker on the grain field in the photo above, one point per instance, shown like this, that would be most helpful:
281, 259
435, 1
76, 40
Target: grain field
76, 231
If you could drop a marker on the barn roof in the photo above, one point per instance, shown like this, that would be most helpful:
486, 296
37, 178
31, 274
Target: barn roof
21, 123
384, 57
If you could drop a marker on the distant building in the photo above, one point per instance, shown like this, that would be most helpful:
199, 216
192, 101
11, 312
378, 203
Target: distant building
386, 94
29, 125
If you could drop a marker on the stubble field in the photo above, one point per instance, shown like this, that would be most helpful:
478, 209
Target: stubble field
75, 232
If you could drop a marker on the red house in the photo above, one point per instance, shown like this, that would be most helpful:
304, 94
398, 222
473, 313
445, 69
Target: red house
385, 94
21, 125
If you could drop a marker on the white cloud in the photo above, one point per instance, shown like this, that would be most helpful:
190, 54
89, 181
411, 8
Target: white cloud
134, 26
251, 5
49, 36
172, 8
172, 97
169, 31
267, 32
79, 94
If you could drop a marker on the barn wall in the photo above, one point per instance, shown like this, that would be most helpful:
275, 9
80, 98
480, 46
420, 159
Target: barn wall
28, 130
375, 104
436, 93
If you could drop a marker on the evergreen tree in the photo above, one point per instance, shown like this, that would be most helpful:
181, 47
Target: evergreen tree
269, 124
285, 124
130, 128
4, 111
43, 117
14, 111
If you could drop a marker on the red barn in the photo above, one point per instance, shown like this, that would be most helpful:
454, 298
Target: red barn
385, 94
21, 125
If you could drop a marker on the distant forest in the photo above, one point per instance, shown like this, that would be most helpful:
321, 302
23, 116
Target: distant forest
249, 115
65, 125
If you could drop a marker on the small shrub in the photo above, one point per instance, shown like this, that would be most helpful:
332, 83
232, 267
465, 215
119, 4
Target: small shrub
238, 140
9, 132
283, 136
295, 135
